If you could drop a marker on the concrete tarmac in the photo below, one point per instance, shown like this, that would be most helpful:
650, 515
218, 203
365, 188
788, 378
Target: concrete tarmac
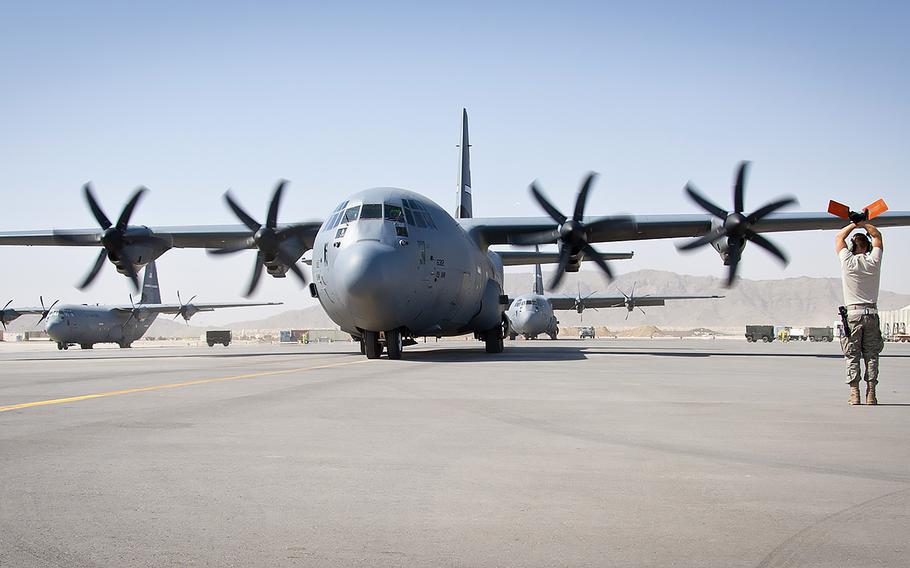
568, 453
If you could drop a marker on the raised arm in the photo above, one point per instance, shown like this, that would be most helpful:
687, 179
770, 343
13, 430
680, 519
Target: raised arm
840, 241
875, 234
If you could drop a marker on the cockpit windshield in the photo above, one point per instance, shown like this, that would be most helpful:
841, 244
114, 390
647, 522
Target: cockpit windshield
351, 214
371, 211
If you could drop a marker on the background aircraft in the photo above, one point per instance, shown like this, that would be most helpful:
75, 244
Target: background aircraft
532, 314
390, 265
86, 325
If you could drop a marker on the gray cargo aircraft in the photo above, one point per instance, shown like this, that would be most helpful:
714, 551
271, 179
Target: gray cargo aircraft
390, 265
532, 314
85, 325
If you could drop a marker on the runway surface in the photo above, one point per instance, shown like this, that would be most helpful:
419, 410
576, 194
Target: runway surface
568, 453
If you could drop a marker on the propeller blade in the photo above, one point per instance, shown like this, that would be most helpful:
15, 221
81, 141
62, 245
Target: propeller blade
271, 220
257, 272
560, 267
598, 260
642, 311
627, 315
767, 245
96, 209
735, 256
244, 217
7, 304
708, 238
739, 197
762, 212
130, 269
838, 209
551, 210
582, 198
99, 262
191, 300
292, 265
538, 238
705, 203
124, 220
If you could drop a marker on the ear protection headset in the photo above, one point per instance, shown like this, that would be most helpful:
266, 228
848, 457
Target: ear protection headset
858, 237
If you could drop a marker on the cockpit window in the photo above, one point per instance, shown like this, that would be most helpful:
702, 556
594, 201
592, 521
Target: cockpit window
393, 213
371, 211
351, 214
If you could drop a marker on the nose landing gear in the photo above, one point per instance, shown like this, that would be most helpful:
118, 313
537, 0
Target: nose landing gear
371, 344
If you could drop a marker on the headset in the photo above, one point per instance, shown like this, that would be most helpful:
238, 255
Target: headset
860, 236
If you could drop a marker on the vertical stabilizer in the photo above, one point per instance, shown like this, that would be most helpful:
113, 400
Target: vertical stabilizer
538, 276
464, 209
150, 292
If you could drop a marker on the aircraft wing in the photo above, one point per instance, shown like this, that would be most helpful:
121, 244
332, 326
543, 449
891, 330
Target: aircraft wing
566, 302
194, 307
508, 230
197, 236
521, 258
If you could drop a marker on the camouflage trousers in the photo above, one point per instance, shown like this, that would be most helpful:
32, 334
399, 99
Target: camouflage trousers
864, 343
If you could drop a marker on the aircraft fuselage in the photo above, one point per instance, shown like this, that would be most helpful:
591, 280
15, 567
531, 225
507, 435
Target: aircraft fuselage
87, 325
391, 259
531, 315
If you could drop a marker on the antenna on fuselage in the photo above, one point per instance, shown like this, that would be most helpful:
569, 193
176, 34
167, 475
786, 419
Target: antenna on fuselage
464, 208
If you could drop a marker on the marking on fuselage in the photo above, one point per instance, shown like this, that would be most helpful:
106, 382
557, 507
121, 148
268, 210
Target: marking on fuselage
167, 386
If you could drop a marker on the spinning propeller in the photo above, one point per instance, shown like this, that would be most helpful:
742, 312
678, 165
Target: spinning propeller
113, 238
571, 234
45, 311
187, 310
267, 238
3, 314
736, 226
630, 301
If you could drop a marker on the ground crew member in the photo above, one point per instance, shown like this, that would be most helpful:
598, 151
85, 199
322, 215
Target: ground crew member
861, 264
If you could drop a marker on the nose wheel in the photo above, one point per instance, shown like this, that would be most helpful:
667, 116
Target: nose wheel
393, 343
370, 344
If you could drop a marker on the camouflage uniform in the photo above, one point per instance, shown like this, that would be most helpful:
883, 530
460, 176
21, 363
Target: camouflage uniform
864, 343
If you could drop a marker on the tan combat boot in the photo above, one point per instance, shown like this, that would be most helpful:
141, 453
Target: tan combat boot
870, 394
854, 395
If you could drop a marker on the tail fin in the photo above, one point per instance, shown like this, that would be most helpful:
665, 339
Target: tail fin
464, 209
538, 276
150, 292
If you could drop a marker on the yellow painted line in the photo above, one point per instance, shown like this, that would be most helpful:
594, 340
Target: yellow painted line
173, 386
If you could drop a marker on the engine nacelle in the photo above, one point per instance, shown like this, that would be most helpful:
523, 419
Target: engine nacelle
723, 248
292, 248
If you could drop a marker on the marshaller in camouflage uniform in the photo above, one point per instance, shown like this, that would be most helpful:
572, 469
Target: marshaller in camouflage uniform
861, 264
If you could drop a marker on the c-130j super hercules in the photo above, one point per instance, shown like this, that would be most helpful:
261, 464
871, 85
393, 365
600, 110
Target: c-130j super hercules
390, 265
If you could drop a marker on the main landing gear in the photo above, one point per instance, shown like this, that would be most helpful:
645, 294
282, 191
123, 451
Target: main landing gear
371, 344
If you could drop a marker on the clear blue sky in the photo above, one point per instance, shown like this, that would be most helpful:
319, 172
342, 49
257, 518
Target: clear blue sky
190, 98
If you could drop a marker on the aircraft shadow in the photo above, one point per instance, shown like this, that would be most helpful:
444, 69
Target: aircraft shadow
514, 354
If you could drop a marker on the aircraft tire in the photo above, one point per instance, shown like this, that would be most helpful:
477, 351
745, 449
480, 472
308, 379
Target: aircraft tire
59, 347
493, 340
512, 336
371, 344
393, 344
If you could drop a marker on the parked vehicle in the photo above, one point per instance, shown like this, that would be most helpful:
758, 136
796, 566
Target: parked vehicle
218, 336
819, 334
586, 332
759, 333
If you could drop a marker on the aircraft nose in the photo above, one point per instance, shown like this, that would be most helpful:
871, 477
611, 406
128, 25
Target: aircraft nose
53, 326
371, 276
